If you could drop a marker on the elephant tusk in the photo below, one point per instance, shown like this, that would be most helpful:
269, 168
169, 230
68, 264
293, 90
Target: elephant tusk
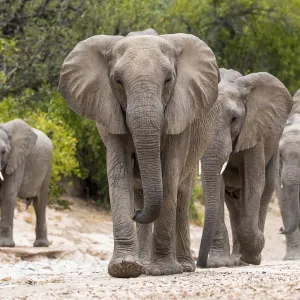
1, 176
281, 185
223, 167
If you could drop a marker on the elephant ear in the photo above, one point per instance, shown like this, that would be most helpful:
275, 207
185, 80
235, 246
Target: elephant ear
268, 105
84, 83
196, 89
22, 139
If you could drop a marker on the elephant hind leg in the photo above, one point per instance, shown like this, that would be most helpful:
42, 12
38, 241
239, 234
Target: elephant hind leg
40, 205
183, 252
270, 185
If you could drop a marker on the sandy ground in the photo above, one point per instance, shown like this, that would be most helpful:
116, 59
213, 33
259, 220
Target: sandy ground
75, 265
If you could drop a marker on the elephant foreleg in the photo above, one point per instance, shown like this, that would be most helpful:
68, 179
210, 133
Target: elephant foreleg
125, 261
9, 193
250, 237
40, 206
144, 232
233, 204
183, 243
219, 255
164, 260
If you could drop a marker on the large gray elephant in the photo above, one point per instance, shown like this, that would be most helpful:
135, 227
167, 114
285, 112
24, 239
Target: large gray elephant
254, 109
289, 181
26, 161
154, 98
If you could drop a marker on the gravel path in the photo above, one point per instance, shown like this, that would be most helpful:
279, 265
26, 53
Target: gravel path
75, 266
45, 280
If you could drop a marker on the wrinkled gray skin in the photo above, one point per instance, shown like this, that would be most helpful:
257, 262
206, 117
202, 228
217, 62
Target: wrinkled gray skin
26, 160
254, 109
289, 181
155, 100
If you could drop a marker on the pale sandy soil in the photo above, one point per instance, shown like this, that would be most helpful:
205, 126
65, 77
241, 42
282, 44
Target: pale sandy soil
75, 265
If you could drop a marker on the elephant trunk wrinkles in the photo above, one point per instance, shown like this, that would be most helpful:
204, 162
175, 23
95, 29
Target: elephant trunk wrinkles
145, 121
290, 208
212, 162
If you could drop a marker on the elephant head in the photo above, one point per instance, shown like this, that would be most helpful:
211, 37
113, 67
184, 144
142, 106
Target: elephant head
289, 171
16, 141
253, 108
145, 85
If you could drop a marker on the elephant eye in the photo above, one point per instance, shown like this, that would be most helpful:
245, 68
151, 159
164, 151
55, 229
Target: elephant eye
3, 152
118, 81
168, 79
233, 119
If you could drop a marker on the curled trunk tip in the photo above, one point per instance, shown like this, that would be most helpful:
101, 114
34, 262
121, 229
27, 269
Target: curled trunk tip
141, 218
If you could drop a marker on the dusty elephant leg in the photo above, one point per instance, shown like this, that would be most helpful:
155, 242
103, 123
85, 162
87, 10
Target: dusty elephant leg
183, 243
40, 206
124, 262
219, 255
144, 232
249, 235
270, 185
293, 246
164, 260
233, 205
9, 192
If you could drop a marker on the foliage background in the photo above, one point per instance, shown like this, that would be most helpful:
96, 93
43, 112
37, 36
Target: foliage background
36, 36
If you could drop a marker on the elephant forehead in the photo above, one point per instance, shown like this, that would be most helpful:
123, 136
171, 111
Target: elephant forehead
291, 135
228, 90
144, 45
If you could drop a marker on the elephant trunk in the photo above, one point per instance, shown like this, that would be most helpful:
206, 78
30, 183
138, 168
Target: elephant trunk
212, 162
290, 208
145, 121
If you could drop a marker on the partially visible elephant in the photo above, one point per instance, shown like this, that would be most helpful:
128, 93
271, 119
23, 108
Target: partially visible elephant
288, 187
154, 98
254, 109
26, 161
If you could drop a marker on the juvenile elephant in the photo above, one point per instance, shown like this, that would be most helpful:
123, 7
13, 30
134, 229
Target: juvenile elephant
26, 160
254, 109
154, 98
289, 181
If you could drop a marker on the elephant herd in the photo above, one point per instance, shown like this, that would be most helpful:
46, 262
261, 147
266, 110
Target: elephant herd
161, 104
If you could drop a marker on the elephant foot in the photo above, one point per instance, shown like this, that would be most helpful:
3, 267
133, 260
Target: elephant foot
249, 258
218, 261
41, 243
163, 267
125, 267
187, 263
6, 242
252, 243
292, 253
237, 262
145, 262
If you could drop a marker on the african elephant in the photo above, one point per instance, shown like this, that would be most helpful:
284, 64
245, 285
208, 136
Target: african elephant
253, 111
26, 160
154, 98
289, 181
